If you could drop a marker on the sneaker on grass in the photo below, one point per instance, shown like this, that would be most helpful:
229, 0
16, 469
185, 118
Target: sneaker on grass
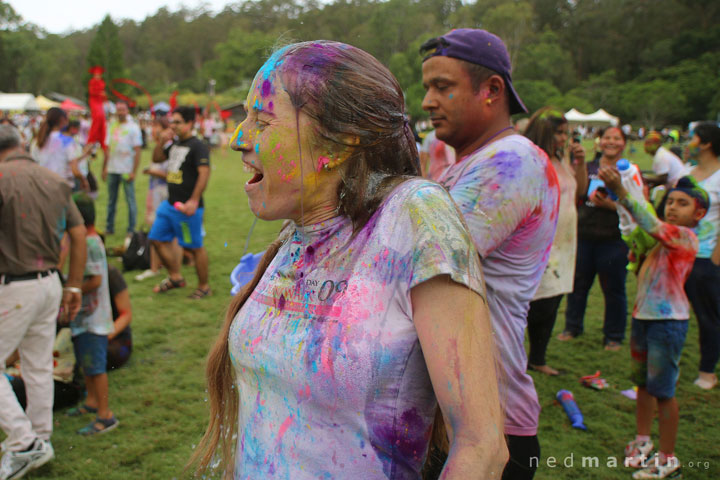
16, 464
654, 469
146, 274
637, 452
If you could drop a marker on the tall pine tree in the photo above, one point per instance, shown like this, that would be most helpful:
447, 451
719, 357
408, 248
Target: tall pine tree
106, 50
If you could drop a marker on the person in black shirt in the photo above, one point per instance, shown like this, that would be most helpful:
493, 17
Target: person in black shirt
181, 215
601, 250
120, 340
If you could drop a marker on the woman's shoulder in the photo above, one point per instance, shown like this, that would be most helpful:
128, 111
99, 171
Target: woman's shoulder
416, 191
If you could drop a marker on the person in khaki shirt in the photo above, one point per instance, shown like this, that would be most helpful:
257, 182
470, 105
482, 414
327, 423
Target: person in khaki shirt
36, 209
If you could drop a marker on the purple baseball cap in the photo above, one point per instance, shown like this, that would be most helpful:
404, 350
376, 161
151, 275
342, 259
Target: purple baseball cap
481, 48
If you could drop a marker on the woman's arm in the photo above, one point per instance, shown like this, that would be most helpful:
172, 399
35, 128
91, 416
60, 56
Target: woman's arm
715, 257
453, 326
122, 302
91, 283
579, 168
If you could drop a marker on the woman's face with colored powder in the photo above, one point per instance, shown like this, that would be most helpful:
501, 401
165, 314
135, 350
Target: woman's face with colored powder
612, 143
279, 147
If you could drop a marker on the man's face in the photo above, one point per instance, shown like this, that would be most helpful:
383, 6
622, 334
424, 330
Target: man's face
122, 110
682, 209
181, 128
456, 110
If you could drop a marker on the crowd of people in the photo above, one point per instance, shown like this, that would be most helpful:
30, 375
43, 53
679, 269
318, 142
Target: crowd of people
386, 322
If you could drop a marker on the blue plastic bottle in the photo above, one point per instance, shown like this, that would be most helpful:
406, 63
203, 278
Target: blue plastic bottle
567, 400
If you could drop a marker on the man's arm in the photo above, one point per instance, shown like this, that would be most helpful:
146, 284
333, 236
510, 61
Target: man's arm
163, 142
192, 204
72, 297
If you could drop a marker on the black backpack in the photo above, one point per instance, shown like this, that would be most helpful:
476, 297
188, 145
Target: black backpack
137, 255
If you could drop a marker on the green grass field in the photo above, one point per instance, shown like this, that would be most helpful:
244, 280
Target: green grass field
160, 398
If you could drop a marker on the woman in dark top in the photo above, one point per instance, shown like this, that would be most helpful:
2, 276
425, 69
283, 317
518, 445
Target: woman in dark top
601, 250
119, 341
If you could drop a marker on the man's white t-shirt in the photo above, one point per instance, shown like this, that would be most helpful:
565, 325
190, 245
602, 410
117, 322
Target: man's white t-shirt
122, 140
666, 162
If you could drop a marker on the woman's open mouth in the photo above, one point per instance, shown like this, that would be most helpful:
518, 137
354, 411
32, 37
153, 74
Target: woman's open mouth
250, 168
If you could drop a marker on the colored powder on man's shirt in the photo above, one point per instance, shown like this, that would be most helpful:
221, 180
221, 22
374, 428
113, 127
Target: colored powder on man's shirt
508, 193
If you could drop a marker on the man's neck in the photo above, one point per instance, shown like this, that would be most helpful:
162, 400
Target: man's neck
186, 137
493, 132
16, 153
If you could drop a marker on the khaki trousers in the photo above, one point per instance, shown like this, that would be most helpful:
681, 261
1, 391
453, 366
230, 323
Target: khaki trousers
28, 314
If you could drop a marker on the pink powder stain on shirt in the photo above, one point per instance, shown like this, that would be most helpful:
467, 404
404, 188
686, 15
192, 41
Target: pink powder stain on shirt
283, 428
254, 342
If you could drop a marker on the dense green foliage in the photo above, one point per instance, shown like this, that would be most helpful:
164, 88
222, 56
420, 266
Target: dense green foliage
653, 62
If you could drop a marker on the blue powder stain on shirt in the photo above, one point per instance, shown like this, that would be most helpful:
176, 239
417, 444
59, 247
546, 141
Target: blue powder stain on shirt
257, 148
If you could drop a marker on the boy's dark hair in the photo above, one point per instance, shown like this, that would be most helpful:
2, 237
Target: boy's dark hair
86, 205
73, 124
186, 112
709, 132
690, 187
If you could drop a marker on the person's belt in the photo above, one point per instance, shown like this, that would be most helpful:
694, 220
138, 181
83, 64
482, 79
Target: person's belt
6, 278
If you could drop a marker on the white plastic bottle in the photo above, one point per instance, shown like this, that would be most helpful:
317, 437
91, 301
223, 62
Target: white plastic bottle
632, 181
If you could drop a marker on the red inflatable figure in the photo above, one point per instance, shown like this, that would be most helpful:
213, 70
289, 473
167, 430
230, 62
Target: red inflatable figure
96, 100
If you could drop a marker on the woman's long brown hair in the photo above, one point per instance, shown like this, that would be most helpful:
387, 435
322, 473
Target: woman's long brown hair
349, 95
53, 118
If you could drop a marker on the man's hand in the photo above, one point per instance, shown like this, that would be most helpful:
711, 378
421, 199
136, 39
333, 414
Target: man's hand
166, 135
190, 207
104, 174
71, 302
131, 176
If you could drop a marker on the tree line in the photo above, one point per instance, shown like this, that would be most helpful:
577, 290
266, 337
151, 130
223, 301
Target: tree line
655, 62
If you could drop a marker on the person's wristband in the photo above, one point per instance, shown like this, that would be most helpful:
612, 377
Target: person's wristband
72, 290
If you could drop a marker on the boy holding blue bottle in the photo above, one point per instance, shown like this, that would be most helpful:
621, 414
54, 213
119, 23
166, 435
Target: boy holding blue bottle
660, 317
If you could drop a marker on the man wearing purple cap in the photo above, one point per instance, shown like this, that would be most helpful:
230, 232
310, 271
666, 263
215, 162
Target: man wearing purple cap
508, 192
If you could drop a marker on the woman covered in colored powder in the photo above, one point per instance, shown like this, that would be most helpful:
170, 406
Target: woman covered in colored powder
368, 311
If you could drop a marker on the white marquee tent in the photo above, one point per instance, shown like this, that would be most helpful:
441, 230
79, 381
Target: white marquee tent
18, 101
601, 117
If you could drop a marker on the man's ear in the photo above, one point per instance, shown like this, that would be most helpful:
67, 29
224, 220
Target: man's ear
699, 214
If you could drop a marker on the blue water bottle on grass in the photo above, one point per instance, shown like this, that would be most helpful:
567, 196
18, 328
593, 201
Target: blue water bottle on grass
567, 400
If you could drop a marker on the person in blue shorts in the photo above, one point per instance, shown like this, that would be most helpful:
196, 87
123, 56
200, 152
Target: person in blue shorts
660, 317
181, 215
91, 327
